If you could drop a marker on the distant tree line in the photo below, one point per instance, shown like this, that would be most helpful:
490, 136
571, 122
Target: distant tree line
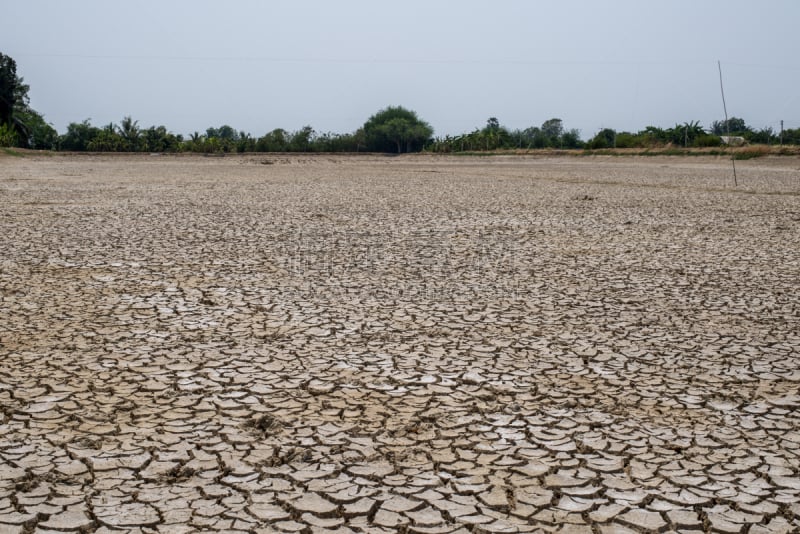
385, 132
552, 134
692, 134
392, 129
493, 136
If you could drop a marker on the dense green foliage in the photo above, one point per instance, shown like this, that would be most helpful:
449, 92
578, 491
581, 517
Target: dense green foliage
19, 124
393, 129
691, 134
494, 136
396, 129
733, 126
8, 85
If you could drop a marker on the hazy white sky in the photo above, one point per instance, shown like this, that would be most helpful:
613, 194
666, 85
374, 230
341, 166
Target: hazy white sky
260, 65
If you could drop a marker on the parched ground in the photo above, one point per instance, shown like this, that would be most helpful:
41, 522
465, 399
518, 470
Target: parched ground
429, 345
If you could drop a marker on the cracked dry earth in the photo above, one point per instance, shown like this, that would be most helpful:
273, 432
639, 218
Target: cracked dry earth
416, 344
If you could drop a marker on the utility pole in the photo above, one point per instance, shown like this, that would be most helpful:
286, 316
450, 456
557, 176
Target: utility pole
727, 124
781, 132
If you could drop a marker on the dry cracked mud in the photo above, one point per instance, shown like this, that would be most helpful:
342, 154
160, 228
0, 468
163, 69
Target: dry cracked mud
427, 345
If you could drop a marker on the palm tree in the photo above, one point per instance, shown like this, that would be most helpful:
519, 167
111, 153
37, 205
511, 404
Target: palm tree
129, 130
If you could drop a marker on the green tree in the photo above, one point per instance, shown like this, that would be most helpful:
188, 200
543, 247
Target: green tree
684, 134
274, 141
245, 142
571, 139
605, 138
10, 132
8, 88
106, 140
493, 135
158, 139
535, 137
24, 126
301, 140
224, 132
791, 136
333, 142
552, 130
396, 129
733, 126
8, 137
130, 133
652, 136
627, 140
222, 139
194, 143
78, 136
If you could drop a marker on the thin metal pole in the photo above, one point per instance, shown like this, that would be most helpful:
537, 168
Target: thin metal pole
727, 124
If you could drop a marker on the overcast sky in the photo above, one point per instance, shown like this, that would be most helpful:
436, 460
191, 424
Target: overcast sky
260, 65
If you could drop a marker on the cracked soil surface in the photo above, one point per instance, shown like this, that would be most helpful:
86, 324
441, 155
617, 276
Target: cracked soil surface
373, 344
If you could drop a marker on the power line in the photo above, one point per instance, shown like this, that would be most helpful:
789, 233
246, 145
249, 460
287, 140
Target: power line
435, 61
274, 59
765, 66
